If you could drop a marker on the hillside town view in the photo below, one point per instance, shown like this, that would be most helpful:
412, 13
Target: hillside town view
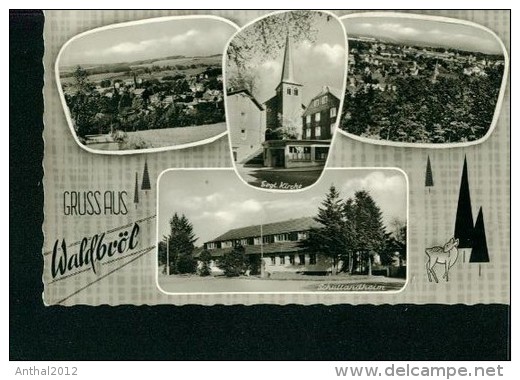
419, 94
109, 103
145, 86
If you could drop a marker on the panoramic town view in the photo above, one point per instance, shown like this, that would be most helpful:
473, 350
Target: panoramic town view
218, 235
420, 81
153, 87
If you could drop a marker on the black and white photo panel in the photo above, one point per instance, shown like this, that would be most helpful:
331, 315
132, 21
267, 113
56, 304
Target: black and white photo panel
348, 233
425, 81
145, 86
284, 85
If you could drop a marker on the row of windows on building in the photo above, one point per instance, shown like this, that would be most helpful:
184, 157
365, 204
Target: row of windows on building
323, 100
292, 91
317, 116
317, 131
304, 153
267, 239
291, 259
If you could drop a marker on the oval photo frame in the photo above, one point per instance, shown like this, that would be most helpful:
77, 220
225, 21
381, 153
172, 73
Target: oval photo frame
391, 51
275, 69
133, 82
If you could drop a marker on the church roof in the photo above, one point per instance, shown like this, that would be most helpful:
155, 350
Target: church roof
249, 95
288, 68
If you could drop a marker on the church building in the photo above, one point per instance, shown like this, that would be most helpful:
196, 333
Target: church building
285, 108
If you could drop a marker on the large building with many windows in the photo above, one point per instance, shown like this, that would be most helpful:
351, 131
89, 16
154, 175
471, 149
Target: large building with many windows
277, 244
320, 116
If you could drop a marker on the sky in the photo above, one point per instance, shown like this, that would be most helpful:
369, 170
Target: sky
424, 32
315, 64
216, 201
188, 37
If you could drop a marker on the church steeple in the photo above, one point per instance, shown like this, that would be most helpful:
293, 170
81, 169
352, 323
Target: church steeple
286, 106
288, 69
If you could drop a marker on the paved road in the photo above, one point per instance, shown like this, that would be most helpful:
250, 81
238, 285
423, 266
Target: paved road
196, 284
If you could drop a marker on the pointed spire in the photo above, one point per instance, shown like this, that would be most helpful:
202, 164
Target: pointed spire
464, 218
136, 190
146, 178
288, 70
429, 175
479, 253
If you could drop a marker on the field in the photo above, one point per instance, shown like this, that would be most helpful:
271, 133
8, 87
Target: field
157, 138
166, 67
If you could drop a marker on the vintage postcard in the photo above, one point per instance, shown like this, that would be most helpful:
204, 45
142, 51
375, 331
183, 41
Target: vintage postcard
292, 157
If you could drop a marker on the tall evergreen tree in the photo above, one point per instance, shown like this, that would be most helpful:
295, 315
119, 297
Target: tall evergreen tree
369, 235
332, 239
146, 178
429, 175
479, 253
464, 217
136, 191
181, 244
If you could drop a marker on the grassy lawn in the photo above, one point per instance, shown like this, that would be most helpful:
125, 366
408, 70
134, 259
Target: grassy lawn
178, 136
158, 138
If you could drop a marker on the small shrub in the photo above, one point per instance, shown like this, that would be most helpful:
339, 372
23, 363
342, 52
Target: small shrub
233, 263
120, 136
205, 259
135, 143
186, 264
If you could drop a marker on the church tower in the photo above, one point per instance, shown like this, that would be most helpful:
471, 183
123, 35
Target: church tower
285, 108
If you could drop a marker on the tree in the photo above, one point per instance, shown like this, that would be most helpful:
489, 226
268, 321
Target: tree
233, 263
181, 245
479, 253
333, 238
254, 264
429, 175
395, 242
161, 254
186, 264
369, 233
82, 82
242, 81
205, 259
136, 191
464, 216
264, 39
80, 103
146, 178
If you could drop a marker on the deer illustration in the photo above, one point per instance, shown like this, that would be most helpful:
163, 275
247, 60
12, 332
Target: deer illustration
446, 255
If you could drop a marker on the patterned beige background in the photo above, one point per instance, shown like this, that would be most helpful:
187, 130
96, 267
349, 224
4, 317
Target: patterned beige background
432, 214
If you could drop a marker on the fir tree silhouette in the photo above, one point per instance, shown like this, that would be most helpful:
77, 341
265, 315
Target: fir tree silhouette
429, 176
136, 191
146, 178
480, 253
464, 218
